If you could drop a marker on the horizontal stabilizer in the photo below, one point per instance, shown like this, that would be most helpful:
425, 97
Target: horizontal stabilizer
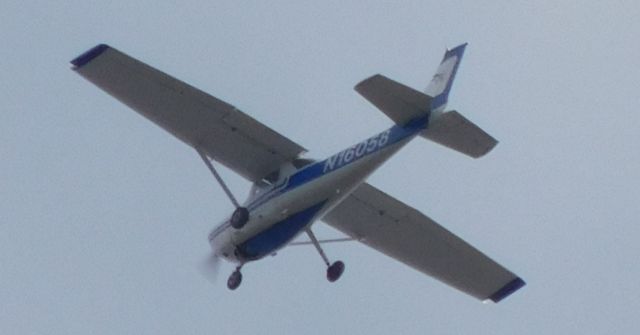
399, 102
454, 131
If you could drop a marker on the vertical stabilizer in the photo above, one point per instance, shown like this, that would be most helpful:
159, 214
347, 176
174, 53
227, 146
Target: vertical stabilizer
442, 81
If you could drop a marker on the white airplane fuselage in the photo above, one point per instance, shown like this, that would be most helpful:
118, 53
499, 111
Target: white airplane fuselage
285, 209
290, 192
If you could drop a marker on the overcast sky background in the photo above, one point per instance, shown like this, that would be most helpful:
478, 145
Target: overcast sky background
104, 216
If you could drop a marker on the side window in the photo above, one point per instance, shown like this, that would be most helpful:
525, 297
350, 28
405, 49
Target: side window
283, 182
258, 188
272, 177
301, 162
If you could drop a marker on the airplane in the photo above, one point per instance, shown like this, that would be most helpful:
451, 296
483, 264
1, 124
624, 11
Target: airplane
291, 192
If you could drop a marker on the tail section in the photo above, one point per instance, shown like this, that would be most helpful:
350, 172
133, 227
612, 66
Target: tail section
441, 83
403, 104
451, 129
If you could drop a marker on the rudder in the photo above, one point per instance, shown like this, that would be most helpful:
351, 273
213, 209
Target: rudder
441, 83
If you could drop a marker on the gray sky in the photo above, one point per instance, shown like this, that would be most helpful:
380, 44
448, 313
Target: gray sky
104, 216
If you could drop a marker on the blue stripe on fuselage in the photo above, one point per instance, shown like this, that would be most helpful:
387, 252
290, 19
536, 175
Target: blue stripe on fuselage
277, 235
345, 157
311, 172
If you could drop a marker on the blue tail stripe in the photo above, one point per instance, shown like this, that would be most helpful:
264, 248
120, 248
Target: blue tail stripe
443, 97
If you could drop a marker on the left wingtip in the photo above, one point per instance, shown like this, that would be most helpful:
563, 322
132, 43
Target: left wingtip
89, 55
507, 289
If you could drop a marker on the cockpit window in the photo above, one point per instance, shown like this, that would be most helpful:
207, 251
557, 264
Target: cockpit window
271, 178
299, 163
258, 188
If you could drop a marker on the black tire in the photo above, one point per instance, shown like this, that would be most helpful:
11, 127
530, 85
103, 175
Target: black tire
335, 271
239, 217
234, 280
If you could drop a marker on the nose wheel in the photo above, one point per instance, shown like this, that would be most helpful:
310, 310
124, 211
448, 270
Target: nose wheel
235, 279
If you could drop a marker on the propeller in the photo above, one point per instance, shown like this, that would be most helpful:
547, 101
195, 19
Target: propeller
209, 267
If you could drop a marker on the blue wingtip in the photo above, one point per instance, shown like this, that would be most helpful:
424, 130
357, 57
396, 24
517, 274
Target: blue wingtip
508, 289
89, 55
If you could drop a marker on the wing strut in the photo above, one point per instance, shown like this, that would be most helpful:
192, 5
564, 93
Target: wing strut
335, 270
241, 215
332, 240
316, 244
207, 162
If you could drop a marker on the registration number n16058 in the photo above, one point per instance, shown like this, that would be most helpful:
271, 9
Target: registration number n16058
357, 151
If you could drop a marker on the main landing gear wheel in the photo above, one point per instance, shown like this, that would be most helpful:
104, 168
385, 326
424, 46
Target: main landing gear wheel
335, 271
239, 217
234, 280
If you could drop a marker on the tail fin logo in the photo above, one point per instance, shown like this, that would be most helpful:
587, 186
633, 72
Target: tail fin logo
437, 78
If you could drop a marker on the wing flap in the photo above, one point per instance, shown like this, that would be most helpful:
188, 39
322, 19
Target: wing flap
401, 232
226, 134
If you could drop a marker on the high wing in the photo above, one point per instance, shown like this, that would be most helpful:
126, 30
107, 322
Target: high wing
399, 231
202, 121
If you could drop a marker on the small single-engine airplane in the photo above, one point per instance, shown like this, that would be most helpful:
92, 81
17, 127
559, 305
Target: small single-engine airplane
290, 192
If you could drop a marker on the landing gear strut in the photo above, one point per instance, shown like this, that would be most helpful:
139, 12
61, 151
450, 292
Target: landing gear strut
335, 270
241, 214
235, 279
